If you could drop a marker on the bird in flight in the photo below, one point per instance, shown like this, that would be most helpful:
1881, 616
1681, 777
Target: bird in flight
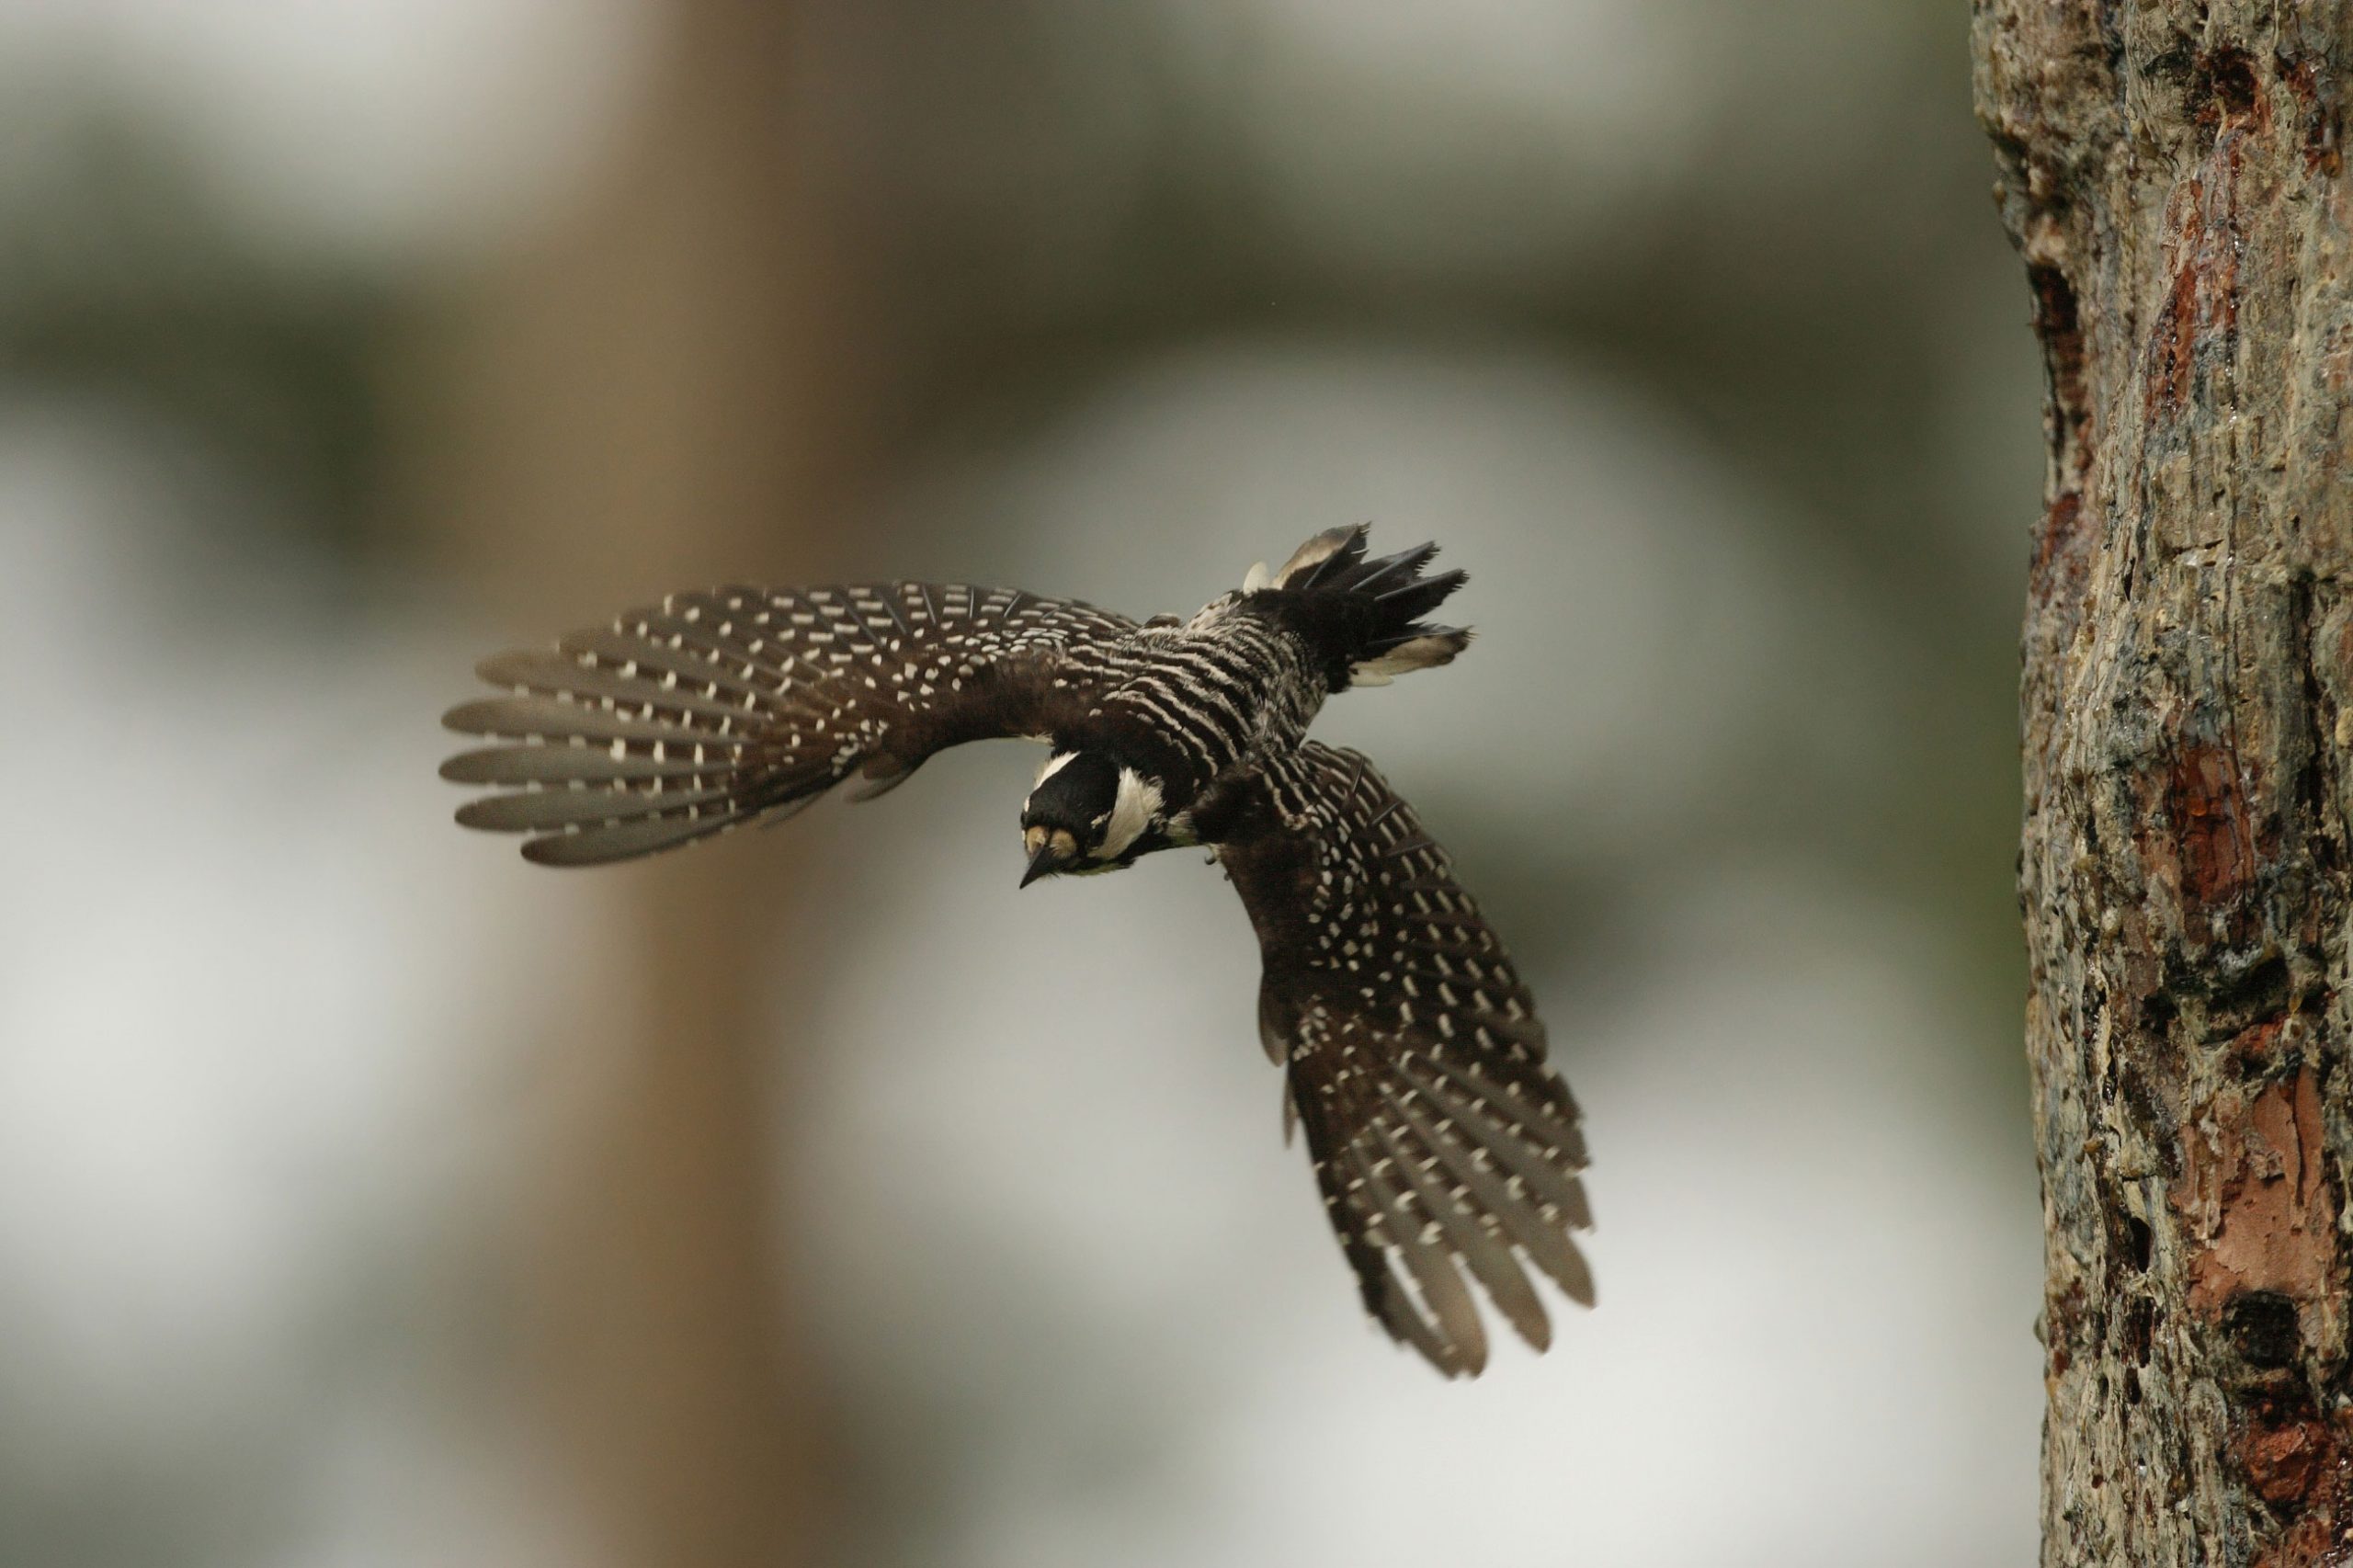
1414, 1060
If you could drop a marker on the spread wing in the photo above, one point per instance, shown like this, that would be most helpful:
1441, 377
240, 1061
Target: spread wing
715, 709
1441, 1140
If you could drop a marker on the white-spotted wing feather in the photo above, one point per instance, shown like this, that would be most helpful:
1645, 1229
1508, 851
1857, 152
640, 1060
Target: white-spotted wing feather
1441, 1140
712, 710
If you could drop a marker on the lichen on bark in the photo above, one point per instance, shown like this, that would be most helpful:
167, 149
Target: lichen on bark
2171, 174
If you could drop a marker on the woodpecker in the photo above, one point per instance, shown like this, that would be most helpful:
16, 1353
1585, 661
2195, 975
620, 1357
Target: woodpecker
1413, 1057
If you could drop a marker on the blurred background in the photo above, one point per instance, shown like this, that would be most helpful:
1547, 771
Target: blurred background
367, 1197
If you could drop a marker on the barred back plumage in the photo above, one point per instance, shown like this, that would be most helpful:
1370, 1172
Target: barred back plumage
1414, 1060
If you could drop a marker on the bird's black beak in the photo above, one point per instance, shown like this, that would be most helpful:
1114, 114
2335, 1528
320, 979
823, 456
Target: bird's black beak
1044, 863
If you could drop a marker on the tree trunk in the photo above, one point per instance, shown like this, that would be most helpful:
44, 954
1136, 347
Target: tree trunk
2170, 170
659, 392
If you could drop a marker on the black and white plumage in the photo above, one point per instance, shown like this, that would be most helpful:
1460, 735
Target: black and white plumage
1415, 1064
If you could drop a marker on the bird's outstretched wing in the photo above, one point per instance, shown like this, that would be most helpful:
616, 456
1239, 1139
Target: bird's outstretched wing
1441, 1140
715, 709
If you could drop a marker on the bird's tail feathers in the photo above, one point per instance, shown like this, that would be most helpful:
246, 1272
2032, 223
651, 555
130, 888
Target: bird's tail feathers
1335, 562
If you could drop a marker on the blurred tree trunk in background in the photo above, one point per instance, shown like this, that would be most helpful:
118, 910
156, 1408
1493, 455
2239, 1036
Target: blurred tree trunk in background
2171, 172
651, 396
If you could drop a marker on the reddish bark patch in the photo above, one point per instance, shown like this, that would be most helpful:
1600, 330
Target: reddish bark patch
2254, 1197
2209, 813
2252, 1047
2062, 555
2311, 1542
2062, 536
2299, 1463
2201, 314
2316, 119
2282, 1462
2260, 1219
2063, 1329
2171, 351
2231, 93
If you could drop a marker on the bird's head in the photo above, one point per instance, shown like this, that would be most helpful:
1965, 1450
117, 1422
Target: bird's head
1089, 812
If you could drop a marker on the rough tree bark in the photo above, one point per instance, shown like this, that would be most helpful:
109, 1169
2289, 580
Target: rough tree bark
2171, 171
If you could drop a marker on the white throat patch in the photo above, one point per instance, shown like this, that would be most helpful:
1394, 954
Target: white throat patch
1138, 801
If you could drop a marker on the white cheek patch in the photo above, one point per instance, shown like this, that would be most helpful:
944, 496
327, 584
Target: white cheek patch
1132, 809
1053, 765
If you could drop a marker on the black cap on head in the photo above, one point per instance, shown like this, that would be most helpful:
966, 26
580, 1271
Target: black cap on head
1068, 812
1076, 794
